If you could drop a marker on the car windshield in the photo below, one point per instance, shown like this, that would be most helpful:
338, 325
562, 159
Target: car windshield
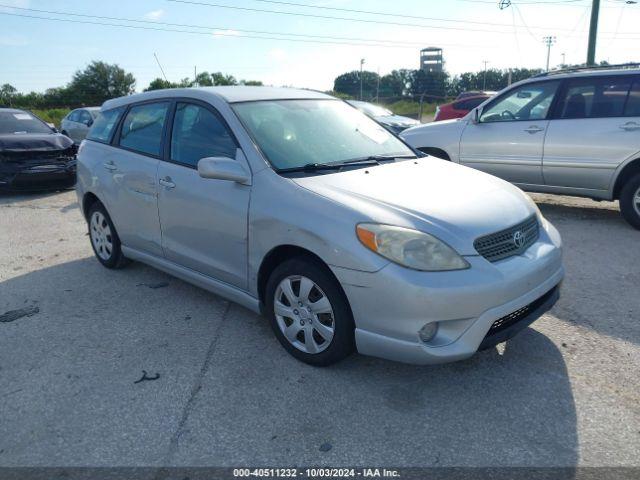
295, 133
18, 122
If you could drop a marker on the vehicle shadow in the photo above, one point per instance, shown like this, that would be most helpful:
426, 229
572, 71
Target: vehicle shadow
68, 373
8, 198
602, 260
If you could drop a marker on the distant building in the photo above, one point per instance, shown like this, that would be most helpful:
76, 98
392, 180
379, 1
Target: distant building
431, 59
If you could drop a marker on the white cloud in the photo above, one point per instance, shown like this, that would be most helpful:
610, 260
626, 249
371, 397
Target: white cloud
13, 40
226, 33
154, 14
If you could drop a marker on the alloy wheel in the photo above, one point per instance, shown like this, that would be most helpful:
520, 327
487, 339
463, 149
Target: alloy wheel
636, 201
304, 314
101, 236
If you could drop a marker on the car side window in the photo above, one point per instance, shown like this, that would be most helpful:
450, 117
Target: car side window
104, 125
85, 118
595, 97
142, 128
632, 109
527, 102
73, 116
198, 133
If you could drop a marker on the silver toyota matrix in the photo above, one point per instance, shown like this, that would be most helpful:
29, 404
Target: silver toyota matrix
298, 206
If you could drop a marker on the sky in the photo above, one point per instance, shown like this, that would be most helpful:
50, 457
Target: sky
307, 44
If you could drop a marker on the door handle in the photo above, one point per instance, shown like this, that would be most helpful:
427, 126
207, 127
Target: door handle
110, 166
533, 129
630, 126
166, 182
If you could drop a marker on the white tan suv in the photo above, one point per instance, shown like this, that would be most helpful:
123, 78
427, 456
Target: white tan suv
572, 133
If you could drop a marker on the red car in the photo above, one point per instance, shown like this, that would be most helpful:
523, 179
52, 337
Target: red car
458, 108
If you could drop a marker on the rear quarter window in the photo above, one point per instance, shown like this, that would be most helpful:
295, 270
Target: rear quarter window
104, 125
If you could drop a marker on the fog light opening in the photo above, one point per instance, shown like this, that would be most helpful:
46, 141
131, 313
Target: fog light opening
429, 331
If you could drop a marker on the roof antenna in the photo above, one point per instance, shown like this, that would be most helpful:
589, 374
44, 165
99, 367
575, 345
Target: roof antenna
161, 69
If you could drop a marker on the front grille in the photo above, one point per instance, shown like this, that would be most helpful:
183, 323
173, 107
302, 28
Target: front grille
508, 242
515, 317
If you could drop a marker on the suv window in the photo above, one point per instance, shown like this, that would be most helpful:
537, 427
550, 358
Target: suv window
142, 128
632, 108
104, 124
199, 133
527, 102
595, 97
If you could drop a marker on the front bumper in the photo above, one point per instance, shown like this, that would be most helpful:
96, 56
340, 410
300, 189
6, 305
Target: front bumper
390, 306
43, 176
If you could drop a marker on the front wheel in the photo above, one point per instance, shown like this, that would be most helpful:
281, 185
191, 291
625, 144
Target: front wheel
630, 201
309, 312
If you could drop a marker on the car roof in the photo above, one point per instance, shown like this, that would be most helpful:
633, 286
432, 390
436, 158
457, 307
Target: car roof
596, 72
229, 94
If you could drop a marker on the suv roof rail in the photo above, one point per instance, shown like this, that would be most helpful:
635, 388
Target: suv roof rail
619, 66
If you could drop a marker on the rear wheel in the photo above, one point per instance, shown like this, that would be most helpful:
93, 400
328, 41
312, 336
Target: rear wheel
630, 201
104, 238
309, 312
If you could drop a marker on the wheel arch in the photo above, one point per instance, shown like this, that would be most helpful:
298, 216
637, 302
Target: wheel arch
630, 169
436, 152
279, 254
88, 200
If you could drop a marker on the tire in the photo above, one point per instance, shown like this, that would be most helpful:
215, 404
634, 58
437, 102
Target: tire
630, 201
104, 238
323, 310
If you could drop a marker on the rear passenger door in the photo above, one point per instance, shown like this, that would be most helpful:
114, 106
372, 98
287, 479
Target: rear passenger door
204, 221
133, 168
596, 126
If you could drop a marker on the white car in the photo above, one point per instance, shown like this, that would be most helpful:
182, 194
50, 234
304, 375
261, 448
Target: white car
77, 123
572, 133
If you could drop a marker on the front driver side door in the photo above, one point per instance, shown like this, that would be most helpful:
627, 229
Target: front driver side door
508, 140
203, 221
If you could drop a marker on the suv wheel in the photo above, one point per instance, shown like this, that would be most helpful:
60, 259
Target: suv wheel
630, 201
309, 312
104, 238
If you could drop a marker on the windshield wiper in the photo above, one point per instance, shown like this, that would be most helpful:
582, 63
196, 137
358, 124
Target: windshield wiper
374, 159
311, 167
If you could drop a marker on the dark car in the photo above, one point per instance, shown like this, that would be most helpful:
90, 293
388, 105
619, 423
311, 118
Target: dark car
385, 117
34, 156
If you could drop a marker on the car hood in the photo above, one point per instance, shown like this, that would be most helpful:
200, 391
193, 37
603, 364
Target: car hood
455, 203
397, 120
41, 142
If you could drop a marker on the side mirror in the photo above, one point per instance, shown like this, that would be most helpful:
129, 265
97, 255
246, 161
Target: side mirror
88, 123
475, 116
223, 168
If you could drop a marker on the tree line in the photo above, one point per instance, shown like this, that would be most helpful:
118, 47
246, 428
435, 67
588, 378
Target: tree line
99, 82
405, 83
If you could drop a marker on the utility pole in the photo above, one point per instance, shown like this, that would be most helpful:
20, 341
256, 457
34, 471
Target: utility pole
593, 33
548, 42
564, 59
361, 65
195, 76
484, 78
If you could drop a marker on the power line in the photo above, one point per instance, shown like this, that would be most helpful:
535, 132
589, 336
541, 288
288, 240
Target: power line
222, 29
350, 19
227, 35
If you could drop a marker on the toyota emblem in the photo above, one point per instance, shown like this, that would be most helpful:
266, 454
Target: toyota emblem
519, 239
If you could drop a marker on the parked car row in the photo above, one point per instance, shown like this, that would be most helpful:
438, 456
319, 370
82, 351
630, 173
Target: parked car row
573, 133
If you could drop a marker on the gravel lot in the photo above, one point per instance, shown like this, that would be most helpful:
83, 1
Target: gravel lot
563, 393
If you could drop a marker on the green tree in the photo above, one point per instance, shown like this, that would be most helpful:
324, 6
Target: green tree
98, 82
7, 92
349, 84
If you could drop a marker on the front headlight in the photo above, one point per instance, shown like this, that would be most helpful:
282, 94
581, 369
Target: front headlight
410, 248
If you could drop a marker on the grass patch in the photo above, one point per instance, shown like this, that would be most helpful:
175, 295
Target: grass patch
410, 108
52, 115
